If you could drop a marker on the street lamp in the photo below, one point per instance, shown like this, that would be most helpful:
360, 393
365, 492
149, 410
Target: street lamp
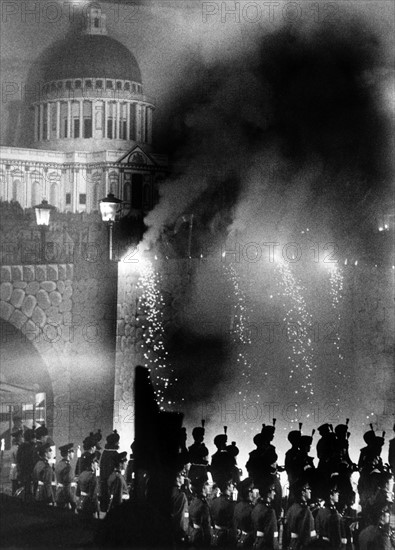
43, 212
108, 209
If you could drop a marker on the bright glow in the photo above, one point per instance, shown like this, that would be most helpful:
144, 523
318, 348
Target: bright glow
240, 333
108, 211
297, 316
43, 212
109, 207
151, 305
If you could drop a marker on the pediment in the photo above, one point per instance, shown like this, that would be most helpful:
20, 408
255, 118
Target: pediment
137, 157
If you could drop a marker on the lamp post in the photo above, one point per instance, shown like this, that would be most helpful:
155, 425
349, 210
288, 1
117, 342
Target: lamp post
108, 209
43, 213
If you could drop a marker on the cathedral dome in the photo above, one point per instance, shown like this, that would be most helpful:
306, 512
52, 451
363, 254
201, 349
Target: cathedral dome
92, 56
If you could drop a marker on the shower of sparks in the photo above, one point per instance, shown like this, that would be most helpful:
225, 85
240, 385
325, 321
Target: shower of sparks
336, 280
298, 322
240, 331
151, 305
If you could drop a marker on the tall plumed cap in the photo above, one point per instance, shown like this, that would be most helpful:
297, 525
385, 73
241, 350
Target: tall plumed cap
199, 431
113, 438
41, 431
369, 436
232, 449
324, 429
341, 429
294, 437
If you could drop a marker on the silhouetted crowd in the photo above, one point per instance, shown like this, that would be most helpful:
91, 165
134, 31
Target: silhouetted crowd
336, 504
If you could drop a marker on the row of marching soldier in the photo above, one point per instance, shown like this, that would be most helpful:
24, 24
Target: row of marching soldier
210, 503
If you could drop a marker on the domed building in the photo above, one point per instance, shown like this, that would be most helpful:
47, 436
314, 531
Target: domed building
92, 130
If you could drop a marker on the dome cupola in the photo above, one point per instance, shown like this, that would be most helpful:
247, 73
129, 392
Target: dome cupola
92, 97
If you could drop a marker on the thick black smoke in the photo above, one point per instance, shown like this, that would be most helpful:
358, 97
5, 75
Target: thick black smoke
304, 110
290, 134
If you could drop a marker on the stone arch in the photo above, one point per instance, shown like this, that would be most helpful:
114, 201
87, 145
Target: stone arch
24, 374
37, 330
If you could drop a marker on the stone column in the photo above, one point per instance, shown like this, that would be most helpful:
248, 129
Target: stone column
48, 121
75, 172
113, 120
36, 120
57, 119
117, 120
149, 125
128, 120
25, 187
105, 119
81, 103
69, 119
138, 122
144, 124
41, 122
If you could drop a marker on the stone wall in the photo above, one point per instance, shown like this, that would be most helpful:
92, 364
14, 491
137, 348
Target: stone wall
67, 311
37, 300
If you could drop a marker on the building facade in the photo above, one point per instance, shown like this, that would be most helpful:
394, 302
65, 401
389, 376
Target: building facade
92, 130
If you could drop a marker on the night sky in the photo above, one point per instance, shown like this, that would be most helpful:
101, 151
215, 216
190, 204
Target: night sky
278, 131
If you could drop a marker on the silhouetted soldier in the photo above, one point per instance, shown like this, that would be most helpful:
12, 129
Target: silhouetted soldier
107, 464
198, 452
26, 459
65, 494
264, 519
242, 515
294, 438
329, 523
87, 490
199, 514
222, 513
117, 486
299, 529
44, 476
89, 445
222, 462
179, 508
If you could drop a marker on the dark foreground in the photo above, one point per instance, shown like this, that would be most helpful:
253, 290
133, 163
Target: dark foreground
41, 527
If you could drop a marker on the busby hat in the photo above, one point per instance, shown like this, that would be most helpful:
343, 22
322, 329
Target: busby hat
324, 429
199, 431
221, 439
64, 449
41, 431
369, 436
341, 429
268, 430
232, 449
113, 439
30, 434
294, 437
306, 440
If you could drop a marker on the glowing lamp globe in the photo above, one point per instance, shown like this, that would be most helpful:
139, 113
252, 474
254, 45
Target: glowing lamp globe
109, 207
43, 212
